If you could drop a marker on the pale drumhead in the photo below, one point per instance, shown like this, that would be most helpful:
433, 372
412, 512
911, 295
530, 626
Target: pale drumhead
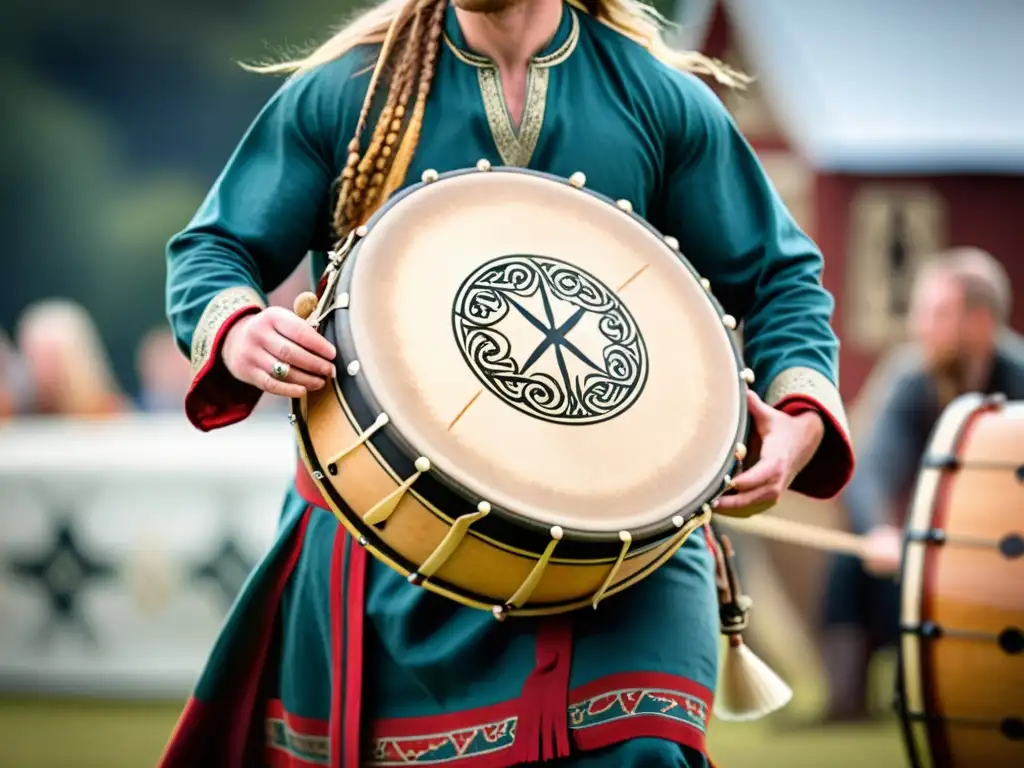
442, 295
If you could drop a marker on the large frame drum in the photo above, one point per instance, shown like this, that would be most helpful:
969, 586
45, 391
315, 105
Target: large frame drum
961, 680
537, 397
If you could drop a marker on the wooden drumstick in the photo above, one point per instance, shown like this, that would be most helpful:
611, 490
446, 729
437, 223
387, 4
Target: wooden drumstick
793, 532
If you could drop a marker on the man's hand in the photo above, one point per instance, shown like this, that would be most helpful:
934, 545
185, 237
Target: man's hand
788, 443
883, 547
256, 342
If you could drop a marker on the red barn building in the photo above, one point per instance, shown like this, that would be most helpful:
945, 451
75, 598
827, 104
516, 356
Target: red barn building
892, 130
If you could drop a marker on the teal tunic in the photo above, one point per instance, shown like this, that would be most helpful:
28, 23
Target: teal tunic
342, 655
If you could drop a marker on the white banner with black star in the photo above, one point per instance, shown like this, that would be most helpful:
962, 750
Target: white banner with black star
123, 544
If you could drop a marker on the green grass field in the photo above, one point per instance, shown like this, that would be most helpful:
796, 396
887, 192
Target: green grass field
82, 734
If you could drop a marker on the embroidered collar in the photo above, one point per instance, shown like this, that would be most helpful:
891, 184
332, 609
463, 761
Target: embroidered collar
555, 52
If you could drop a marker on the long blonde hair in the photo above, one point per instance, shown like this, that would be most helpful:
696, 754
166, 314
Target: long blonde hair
413, 29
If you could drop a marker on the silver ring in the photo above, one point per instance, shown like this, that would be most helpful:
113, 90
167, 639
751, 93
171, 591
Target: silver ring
280, 370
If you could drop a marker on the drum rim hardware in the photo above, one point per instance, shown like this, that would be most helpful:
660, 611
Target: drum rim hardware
358, 393
406, 466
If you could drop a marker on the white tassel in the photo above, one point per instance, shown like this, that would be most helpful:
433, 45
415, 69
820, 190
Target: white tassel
748, 689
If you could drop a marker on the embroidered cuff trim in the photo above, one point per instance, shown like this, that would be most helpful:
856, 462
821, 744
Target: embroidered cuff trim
221, 307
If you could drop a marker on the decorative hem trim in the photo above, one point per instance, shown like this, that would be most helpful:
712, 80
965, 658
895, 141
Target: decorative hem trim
293, 741
221, 308
604, 712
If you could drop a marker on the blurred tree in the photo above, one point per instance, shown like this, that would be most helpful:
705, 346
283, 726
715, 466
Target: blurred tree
97, 174
55, 161
136, 222
76, 223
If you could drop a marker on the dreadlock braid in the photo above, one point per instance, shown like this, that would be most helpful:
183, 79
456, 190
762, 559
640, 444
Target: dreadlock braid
375, 164
403, 156
344, 206
371, 176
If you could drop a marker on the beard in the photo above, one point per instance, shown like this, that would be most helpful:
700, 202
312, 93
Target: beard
950, 376
485, 6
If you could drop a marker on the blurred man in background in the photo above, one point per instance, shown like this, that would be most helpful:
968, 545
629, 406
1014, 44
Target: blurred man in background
958, 318
67, 363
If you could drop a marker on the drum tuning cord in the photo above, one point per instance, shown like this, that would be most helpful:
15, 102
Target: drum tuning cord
733, 606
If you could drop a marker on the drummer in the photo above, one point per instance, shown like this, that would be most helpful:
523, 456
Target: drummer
330, 660
958, 318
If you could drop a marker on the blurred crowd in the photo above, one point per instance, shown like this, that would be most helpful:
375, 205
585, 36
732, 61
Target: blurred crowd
56, 364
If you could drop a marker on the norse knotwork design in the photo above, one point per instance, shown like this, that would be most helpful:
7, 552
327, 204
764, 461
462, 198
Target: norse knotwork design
549, 339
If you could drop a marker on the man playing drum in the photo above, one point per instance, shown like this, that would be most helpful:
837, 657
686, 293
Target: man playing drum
330, 659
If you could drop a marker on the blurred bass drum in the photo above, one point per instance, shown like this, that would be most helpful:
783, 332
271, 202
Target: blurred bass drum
961, 681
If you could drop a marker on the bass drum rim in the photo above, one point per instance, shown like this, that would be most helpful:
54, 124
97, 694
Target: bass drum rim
923, 735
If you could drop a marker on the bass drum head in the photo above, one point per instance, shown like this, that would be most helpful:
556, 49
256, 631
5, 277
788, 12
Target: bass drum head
546, 351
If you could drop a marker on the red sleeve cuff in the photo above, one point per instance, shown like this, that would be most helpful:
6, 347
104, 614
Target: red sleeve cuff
216, 398
831, 468
798, 390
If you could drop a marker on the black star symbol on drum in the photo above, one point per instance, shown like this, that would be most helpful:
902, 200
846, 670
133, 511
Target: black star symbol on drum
550, 339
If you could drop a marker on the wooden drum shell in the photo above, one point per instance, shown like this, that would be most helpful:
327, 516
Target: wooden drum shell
961, 684
479, 566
